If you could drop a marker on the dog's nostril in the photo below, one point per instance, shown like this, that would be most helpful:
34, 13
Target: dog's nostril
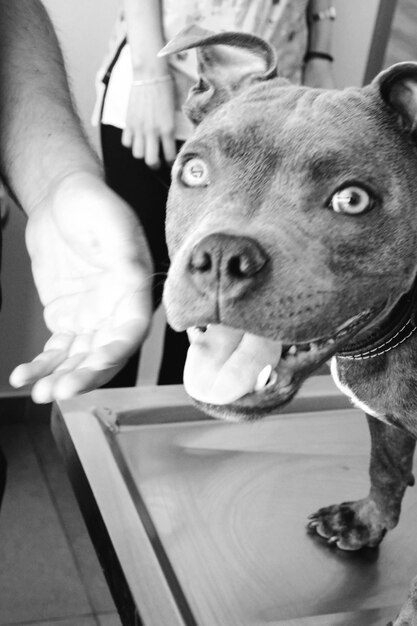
227, 264
201, 261
235, 267
244, 265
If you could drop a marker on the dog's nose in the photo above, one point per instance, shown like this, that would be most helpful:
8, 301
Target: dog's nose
226, 263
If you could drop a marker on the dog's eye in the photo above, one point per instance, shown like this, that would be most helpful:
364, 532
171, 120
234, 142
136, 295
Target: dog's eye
194, 173
351, 200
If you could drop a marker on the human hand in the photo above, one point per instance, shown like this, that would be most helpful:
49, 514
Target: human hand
92, 269
150, 122
318, 73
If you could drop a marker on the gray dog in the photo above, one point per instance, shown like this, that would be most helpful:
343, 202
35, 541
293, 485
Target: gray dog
293, 237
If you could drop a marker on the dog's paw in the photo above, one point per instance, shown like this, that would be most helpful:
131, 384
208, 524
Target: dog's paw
405, 618
407, 621
408, 613
350, 525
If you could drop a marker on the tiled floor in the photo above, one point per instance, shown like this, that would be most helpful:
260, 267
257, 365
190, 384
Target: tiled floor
49, 574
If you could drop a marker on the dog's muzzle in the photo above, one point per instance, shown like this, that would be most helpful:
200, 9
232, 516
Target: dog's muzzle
226, 265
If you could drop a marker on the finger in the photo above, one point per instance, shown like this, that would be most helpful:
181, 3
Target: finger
127, 138
152, 152
79, 375
81, 344
81, 380
44, 389
84, 372
109, 355
41, 366
169, 148
71, 363
54, 353
138, 147
59, 341
51, 360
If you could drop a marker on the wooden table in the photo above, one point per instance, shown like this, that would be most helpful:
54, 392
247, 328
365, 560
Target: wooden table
199, 522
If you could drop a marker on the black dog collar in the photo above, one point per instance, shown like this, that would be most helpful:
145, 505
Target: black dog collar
392, 332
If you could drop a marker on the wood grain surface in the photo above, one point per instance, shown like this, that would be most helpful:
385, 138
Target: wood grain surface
222, 508
230, 505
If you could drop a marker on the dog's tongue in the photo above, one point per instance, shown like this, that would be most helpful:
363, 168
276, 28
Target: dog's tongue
223, 364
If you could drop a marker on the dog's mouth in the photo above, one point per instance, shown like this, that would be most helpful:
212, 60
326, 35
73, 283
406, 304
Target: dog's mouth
235, 374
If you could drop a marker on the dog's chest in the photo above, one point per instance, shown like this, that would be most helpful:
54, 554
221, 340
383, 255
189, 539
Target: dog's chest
347, 391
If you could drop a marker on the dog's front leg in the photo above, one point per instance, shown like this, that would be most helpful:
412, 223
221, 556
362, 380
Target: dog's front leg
354, 525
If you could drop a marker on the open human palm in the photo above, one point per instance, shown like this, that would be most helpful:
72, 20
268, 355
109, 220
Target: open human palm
92, 269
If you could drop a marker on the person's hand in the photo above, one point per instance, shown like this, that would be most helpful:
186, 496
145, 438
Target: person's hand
150, 122
318, 73
92, 269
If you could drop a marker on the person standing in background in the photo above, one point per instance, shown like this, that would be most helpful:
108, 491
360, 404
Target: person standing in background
140, 98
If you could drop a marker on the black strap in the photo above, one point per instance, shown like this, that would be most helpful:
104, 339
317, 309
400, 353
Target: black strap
311, 54
106, 78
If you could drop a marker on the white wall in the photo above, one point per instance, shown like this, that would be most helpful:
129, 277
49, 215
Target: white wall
351, 39
84, 27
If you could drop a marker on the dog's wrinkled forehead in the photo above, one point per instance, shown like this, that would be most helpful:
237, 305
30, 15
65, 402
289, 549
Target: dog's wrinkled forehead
274, 126
239, 94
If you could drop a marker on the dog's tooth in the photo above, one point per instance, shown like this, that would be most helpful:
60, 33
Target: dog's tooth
266, 378
292, 350
263, 378
194, 332
314, 347
272, 379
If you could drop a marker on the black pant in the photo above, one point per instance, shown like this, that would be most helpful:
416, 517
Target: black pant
3, 472
3, 464
146, 191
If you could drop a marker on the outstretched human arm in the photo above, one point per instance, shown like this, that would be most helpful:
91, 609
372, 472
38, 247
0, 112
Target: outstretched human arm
150, 113
90, 261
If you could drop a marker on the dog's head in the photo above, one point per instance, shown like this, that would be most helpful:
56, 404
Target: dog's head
291, 220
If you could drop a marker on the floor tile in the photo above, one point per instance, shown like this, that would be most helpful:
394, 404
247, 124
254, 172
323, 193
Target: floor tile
70, 517
38, 575
110, 619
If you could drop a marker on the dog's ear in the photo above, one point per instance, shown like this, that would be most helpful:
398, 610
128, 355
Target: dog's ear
227, 63
398, 88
